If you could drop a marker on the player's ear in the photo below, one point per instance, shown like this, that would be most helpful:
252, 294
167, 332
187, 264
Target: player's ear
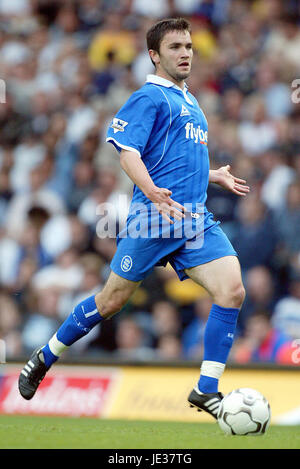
154, 56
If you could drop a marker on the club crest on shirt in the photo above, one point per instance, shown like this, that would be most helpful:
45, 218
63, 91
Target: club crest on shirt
118, 125
126, 263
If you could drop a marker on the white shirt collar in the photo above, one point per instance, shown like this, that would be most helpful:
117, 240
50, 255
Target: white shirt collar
164, 82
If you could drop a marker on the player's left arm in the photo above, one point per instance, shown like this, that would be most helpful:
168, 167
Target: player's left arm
225, 179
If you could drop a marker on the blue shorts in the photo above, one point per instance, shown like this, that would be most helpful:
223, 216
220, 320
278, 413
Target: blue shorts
136, 257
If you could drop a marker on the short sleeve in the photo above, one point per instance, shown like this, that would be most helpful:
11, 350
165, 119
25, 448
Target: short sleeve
131, 128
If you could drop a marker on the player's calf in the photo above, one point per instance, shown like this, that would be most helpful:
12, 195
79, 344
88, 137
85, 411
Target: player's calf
83, 318
79, 323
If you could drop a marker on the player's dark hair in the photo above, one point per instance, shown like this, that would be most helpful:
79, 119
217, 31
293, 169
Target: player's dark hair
157, 32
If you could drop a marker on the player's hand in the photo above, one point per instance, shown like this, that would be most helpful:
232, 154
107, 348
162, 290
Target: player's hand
167, 207
225, 179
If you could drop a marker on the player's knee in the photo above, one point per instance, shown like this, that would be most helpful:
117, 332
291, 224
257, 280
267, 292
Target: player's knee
112, 305
237, 295
232, 296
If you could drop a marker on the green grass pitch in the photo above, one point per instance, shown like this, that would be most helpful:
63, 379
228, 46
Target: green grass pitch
85, 433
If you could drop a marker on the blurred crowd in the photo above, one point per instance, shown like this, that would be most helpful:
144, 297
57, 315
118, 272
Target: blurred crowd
68, 66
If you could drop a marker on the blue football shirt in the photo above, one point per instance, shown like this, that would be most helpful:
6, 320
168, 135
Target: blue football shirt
165, 126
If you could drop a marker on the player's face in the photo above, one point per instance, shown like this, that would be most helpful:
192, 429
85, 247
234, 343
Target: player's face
174, 59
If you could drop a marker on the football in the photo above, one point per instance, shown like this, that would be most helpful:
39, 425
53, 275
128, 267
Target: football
244, 411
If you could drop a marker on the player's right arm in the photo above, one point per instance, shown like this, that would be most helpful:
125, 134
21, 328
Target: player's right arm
129, 132
134, 167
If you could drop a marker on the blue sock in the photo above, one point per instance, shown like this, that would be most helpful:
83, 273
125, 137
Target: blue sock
49, 357
218, 339
83, 318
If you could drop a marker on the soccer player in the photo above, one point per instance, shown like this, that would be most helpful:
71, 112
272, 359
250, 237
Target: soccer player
162, 136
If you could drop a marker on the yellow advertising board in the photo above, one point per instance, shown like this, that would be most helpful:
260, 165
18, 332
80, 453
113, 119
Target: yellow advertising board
142, 392
161, 393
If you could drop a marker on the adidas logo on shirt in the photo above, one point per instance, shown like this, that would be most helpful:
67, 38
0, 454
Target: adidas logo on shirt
184, 111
